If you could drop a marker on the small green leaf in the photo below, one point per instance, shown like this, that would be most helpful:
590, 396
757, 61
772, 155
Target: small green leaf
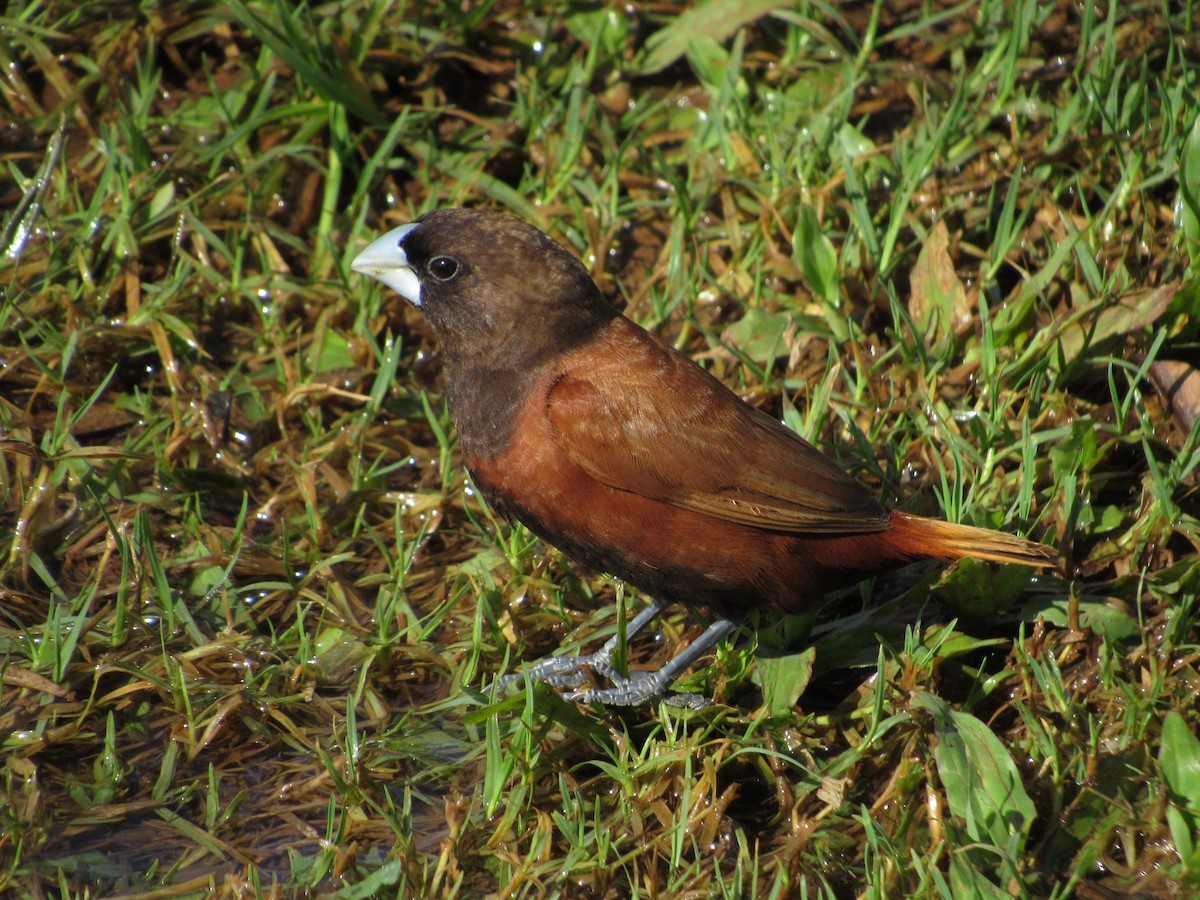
162, 199
783, 679
1111, 518
482, 564
386, 876
1077, 453
714, 19
980, 590
760, 335
332, 352
206, 580
814, 253
605, 29
339, 654
854, 143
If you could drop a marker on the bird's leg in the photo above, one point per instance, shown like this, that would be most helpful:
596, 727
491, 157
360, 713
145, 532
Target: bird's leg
642, 687
567, 671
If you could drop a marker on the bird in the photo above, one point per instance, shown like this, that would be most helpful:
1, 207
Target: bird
631, 458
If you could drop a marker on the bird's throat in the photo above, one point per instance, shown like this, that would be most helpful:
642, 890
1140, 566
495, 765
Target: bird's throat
486, 403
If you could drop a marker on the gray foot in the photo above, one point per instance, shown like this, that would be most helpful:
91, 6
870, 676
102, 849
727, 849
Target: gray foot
567, 673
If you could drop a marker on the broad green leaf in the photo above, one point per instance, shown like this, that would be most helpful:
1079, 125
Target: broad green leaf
1179, 761
1187, 204
1110, 622
1183, 832
386, 876
967, 879
983, 786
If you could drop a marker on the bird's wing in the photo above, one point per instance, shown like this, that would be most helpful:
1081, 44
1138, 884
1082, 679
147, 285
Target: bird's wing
647, 420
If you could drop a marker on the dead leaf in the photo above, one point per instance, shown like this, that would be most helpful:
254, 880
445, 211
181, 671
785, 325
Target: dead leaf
1133, 312
937, 301
1179, 383
19, 677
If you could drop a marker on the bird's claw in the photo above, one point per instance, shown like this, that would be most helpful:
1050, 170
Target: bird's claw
635, 692
566, 673
562, 672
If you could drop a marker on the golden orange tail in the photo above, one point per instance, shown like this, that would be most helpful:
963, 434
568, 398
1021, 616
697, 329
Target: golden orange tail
934, 538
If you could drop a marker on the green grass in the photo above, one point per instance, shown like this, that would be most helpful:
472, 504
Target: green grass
251, 608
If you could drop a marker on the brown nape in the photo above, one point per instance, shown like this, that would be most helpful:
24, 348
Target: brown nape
633, 459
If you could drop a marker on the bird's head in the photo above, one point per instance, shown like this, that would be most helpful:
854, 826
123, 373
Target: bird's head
490, 284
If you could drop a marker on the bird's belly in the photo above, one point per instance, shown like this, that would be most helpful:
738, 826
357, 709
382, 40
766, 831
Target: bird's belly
669, 552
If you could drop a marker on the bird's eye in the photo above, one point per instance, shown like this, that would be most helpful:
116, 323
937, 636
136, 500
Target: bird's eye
443, 268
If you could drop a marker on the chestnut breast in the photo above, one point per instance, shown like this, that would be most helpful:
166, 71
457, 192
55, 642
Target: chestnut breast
668, 551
